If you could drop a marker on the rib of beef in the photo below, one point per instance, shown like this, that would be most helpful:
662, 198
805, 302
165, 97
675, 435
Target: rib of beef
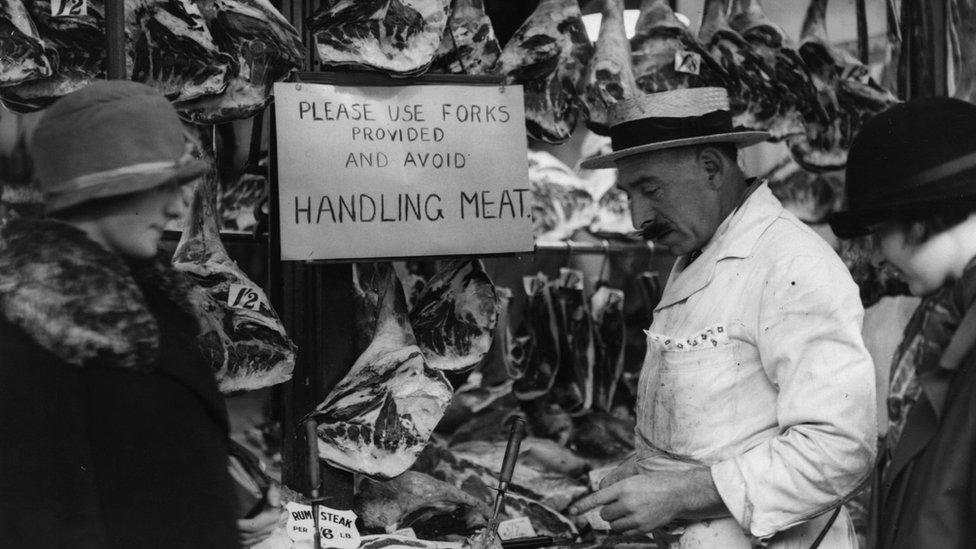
548, 55
455, 315
398, 37
263, 47
381, 415
469, 45
609, 75
243, 337
665, 54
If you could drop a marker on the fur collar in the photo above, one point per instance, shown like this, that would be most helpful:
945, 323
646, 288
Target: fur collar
79, 301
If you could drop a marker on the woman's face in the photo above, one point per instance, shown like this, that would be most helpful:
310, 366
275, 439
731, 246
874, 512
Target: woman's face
134, 225
924, 266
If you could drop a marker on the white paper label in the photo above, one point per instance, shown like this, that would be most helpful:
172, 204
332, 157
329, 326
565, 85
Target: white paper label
337, 528
406, 532
596, 521
597, 476
687, 61
516, 528
242, 296
60, 8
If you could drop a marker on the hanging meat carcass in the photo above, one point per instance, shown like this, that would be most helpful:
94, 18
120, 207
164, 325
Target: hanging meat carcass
665, 54
794, 93
543, 360
846, 91
263, 47
609, 75
573, 387
607, 306
548, 56
22, 55
418, 501
752, 93
455, 315
469, 45
381, 415
399, 37
242, 336
560, 204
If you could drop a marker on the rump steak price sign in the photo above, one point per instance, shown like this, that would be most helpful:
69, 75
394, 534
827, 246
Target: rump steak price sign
399, 171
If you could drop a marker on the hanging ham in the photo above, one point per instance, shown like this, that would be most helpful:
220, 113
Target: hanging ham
609, 75
22, 55
543, 358
469, 45
794, 93
455, 315
263, 48
573, 387
665, 54
242, 336
548, 55
752, 93
846, 92
399, 37
381, 415
607, 306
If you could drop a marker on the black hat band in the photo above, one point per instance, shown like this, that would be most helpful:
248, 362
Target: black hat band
647, 131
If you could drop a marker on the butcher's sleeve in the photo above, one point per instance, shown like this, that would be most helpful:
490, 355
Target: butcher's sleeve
809, 340
48, 496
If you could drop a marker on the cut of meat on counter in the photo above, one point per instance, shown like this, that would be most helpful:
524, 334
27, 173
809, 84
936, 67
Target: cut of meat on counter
22, 56
752, 94
381, 415
796, 97
263, 48
242, 336
78, 46
431, 507
543, 358
609, 75
962, 49
665, 54
607, 306
469, 45
398, 37
390, 541
573, 387
847, 94
548, 56
455, 315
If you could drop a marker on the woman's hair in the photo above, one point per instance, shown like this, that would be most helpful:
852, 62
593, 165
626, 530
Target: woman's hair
925, 222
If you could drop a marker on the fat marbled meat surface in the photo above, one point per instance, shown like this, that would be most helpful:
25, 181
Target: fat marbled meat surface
248, 347
469, 45
548, 56
22, 57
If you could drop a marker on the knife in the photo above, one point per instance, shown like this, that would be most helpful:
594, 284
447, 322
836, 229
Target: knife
508, 467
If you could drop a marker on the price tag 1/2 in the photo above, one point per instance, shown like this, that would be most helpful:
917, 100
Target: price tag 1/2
63, 8
242, 296
516, 528
337, 528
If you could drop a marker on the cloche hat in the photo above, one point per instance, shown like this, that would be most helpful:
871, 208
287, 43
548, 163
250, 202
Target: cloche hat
670, 119
110, 138
916, 156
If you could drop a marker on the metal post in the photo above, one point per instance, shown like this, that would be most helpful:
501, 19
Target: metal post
862, 32
115, 37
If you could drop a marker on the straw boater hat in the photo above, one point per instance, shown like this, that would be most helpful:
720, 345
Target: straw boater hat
110, 138
666, 120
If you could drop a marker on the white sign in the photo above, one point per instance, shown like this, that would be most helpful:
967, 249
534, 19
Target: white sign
337, 528
399, 171
516, 528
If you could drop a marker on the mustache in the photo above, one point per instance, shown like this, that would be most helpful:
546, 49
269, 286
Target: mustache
651, 230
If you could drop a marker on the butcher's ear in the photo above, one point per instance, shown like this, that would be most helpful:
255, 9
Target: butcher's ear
714, 164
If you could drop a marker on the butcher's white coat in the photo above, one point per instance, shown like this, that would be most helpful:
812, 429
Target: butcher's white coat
756, 368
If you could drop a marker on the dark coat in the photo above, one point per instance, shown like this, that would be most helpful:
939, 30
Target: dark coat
926, 496
99, 450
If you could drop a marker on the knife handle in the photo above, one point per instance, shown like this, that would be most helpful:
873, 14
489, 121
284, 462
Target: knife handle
512, 450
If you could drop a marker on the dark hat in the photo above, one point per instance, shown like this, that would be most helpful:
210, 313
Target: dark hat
109, 138
915, 157
671, 119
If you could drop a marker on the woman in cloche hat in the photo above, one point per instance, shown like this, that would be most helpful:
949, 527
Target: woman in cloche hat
115, 434
911, 185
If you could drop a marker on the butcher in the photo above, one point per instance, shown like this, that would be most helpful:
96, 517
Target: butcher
755, 411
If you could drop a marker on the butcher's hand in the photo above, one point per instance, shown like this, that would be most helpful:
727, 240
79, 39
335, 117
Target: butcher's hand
256, 529
651, 499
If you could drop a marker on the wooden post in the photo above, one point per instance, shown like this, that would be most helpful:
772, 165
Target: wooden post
115, 37
862, 32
